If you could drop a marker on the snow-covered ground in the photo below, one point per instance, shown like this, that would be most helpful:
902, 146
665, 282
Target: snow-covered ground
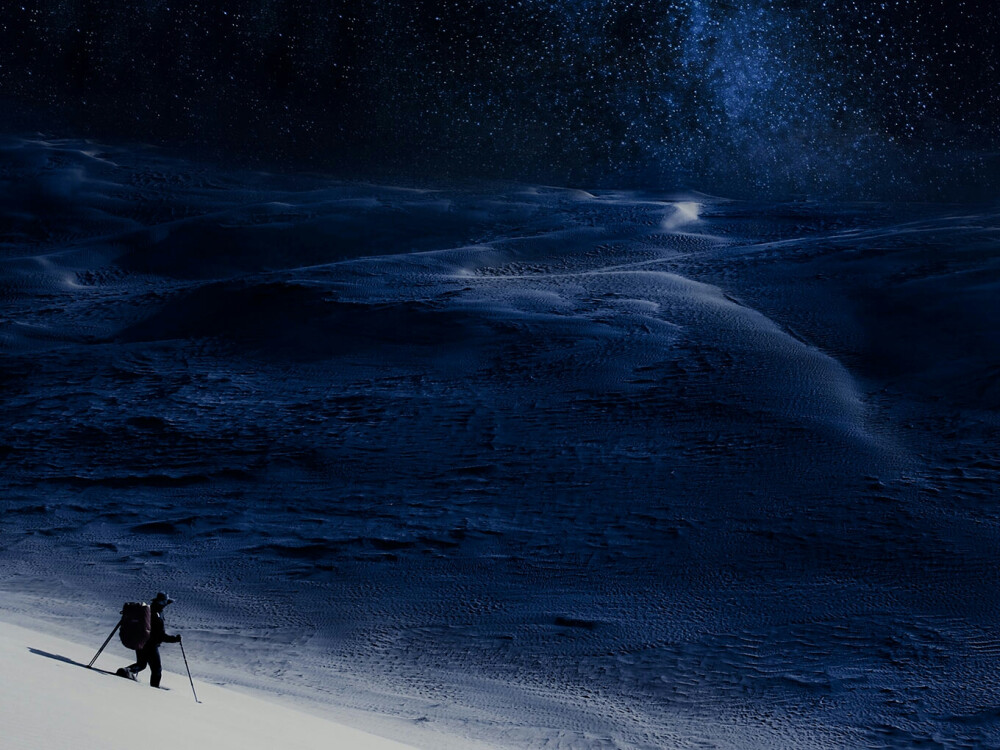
506, 464
49, 699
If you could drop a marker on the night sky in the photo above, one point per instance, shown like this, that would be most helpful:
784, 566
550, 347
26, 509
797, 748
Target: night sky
895, 99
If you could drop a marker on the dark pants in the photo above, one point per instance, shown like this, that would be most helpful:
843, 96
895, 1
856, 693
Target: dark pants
149, 655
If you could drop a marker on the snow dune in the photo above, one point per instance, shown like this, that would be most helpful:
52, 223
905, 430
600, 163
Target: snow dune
512, 464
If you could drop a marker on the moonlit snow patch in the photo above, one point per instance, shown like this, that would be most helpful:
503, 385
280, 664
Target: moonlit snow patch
682, 214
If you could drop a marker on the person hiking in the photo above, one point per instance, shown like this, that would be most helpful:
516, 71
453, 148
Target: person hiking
149, 654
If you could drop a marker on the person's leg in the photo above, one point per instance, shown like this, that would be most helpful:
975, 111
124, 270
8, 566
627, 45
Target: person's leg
141, 660
154, 667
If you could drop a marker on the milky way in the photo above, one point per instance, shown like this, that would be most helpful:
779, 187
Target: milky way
895, 98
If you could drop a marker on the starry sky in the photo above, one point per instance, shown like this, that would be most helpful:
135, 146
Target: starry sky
847, 98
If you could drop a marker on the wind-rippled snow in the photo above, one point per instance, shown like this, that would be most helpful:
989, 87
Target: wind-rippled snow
538, 467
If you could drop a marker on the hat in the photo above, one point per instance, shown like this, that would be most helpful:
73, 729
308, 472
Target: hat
162, 599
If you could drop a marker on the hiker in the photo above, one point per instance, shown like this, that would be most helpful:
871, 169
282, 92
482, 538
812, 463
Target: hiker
150, 652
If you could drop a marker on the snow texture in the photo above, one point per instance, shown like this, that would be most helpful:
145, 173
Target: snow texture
522, 466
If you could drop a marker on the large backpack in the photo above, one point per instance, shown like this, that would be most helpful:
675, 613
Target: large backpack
136, 625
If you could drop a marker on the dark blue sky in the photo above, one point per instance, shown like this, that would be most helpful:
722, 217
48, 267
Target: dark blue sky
776, 97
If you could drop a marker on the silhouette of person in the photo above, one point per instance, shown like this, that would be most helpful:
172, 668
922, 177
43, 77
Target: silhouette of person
149, 654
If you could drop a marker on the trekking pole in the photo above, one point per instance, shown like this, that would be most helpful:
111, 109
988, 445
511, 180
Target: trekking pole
104, 645
189, 672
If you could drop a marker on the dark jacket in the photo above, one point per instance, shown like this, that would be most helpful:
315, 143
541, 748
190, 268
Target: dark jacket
158, 633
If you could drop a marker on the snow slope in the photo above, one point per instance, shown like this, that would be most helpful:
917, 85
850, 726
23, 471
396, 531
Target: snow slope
49, 699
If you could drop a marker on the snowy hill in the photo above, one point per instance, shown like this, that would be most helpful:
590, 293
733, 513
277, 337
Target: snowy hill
530, 466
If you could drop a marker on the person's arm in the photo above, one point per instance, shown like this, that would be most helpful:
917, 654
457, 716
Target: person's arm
160, 632
169, 638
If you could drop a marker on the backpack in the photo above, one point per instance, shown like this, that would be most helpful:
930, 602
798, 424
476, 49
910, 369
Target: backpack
136, 625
